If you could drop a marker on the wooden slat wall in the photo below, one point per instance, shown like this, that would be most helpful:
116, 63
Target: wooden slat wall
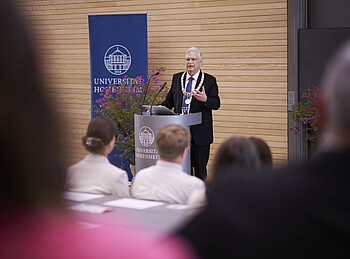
244, 44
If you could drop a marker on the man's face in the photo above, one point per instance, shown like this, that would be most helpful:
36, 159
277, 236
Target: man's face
193, 63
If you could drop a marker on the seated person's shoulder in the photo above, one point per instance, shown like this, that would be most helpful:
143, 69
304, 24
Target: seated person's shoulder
196, 201
144, 172
192, 179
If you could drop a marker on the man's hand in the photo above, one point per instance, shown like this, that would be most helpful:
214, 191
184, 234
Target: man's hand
200, 95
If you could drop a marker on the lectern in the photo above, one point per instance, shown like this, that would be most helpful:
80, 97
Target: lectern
146, 127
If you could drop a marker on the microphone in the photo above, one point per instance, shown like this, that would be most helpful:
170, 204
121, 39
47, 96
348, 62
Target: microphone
144, 96
160, 89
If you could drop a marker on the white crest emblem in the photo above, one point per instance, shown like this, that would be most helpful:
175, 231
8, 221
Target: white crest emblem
117, 59
146, 136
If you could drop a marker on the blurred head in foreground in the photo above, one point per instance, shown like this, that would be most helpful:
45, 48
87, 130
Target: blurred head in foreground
264, 152
31, 172
237, 153
335, 115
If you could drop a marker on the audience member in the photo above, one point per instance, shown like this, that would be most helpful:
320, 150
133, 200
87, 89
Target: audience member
288, 213
95, 174
239, 153
264, 152
33, 220
166, 180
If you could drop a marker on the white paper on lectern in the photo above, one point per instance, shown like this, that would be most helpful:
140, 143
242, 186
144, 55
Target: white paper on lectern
133, 203
78, 196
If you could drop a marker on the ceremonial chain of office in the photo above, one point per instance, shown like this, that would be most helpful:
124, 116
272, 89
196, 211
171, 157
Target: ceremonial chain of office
189, 94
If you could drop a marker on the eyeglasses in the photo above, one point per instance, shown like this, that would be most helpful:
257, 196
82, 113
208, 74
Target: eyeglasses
191, 59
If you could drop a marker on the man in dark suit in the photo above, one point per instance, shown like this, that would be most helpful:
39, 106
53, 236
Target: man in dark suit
289, 213
198, 92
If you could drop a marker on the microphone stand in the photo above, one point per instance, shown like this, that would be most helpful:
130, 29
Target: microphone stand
144, 96
161, 89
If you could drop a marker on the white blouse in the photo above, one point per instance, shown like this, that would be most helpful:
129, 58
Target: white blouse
95, 174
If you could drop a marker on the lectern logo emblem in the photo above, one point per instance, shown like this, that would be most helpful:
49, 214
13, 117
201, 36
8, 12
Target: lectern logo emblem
146, 136
117, 59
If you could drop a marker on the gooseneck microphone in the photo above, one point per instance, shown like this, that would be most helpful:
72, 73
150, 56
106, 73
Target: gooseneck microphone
144, 96
160, 89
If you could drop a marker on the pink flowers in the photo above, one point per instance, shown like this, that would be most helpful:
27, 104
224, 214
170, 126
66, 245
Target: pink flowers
121, 102
308, 112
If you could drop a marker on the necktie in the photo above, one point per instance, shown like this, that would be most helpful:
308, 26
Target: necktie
188, 89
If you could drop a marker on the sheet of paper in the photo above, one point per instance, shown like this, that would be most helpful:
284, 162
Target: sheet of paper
133, 203
79, 196
96, 209
176, 207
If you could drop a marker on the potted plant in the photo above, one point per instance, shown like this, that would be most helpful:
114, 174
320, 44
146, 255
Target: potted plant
120, 103
308, 112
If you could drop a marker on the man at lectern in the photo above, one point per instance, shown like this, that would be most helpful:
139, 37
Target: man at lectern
196, 91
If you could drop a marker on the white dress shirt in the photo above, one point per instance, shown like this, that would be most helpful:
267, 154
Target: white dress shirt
166, 182
196, 202
194, 82
95, 174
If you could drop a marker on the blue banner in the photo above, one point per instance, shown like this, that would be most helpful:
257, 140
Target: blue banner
118, 48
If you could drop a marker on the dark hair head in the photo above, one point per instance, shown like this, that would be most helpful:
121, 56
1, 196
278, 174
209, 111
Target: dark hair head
99, 134
263, 151
171, 141
236, 153
31, 172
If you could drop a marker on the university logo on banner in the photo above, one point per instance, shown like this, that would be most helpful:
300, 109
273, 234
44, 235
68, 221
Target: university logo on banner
118, 48
117, 60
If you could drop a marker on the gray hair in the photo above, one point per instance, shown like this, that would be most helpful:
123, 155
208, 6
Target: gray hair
336, 88
196, 50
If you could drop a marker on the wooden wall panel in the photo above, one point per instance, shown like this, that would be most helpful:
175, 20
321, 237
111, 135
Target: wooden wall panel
244, 44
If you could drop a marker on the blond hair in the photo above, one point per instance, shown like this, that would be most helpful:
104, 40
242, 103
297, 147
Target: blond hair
171, 141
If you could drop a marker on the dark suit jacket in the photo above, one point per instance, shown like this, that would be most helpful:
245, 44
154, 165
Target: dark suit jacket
202, 134
289, 213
